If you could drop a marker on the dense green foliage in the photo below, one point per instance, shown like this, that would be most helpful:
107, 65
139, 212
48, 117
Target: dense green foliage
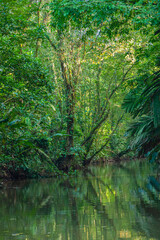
65, 67
143, 102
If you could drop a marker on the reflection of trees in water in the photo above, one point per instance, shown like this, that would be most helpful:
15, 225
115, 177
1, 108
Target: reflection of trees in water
103, 203
148, 209
93, 198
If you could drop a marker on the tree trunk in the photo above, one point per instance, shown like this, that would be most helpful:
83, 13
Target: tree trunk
70, 106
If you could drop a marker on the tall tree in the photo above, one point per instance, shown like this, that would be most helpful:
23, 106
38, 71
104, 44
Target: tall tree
75, 31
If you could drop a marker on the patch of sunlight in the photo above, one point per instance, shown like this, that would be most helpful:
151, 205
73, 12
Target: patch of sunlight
110, 194
125, 234
16, 234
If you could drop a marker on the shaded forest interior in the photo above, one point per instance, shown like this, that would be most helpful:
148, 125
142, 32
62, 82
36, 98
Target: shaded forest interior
79, 82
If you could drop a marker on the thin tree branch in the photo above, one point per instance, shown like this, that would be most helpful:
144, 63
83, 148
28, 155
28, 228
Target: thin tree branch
123, 79
115, 89
52, 44
104, 145
95, 128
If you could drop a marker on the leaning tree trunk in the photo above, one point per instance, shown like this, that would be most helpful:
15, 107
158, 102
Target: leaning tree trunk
70, 107
70, 104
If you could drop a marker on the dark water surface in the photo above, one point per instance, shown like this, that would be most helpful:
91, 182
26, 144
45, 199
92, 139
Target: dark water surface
111, 202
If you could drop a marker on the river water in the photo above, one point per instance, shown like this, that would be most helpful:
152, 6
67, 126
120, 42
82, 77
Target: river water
108, 202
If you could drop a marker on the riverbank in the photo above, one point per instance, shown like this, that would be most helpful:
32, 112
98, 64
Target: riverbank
13, 173
24, 173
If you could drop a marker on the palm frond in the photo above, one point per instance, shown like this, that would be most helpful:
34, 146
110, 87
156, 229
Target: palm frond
143, 133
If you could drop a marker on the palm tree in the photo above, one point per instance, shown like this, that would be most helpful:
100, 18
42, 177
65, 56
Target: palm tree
144, 106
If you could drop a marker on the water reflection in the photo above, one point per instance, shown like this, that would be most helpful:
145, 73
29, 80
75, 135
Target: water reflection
112, 202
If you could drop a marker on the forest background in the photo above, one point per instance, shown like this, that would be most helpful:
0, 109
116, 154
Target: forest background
79, 81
